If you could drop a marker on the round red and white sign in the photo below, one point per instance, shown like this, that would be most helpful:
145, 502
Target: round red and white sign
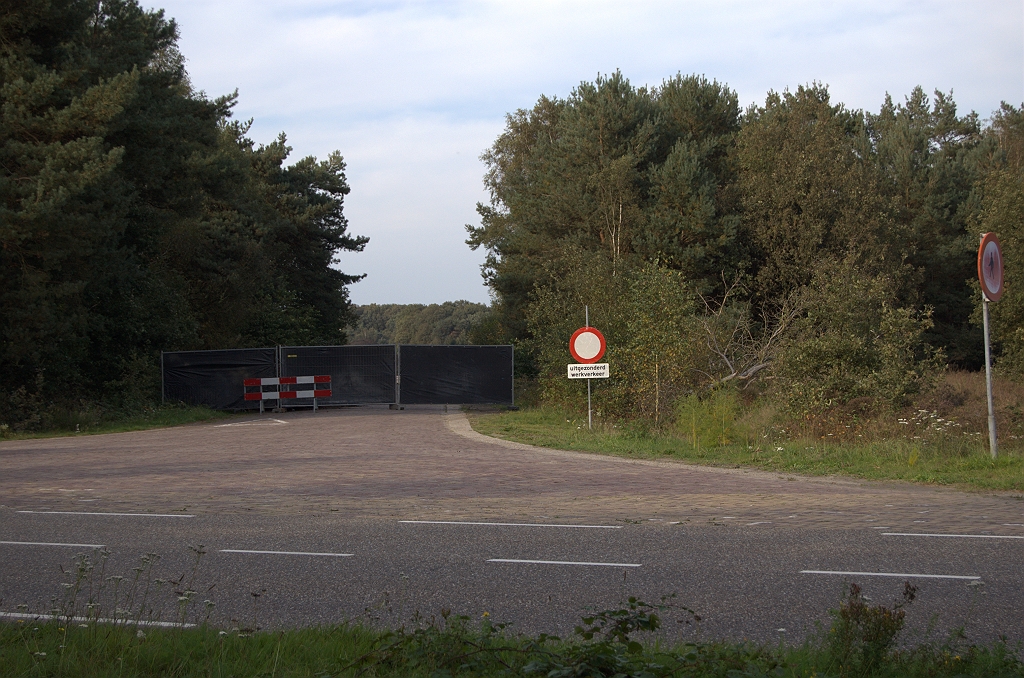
587, 345
990, 267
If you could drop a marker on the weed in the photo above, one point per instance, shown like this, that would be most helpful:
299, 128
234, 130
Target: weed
863, 636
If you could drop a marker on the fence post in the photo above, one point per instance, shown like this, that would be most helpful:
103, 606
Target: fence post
398, 374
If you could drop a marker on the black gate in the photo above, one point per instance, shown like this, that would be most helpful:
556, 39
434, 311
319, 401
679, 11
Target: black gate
214, 378
406, 374
455, 374
359, 374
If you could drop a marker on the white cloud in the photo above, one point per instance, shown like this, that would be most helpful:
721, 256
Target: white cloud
412, 92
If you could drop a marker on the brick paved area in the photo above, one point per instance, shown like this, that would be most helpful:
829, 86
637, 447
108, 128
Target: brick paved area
426, 464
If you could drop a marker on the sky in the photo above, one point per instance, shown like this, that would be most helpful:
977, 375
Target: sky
412, 93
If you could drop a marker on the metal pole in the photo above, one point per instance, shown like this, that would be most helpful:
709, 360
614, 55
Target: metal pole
590, 421
163, 389
988, 384
398, 375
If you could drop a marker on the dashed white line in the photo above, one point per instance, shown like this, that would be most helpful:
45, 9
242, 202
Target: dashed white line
138, 515
461, 522
951, 536
560, 562
253, 422
288, 553
891, 574
47, 543
95, 620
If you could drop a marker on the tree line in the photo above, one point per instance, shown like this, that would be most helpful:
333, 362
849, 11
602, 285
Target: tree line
136, 215
825, 254
453, 322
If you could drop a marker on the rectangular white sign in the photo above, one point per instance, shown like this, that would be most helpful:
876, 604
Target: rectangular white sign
594, 371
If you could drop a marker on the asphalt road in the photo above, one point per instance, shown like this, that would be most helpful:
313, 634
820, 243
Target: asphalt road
755, 555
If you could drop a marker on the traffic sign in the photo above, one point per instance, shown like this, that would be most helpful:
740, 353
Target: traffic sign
587, 345
589, 371
990, 267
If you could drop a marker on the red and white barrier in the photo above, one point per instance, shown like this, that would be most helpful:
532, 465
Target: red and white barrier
283, 392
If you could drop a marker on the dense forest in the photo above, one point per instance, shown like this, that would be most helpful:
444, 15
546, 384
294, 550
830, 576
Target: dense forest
823, 254
453, 322
797, 249
137, 216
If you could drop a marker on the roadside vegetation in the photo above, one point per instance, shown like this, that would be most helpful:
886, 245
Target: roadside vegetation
862, 640
94, 420
941, 438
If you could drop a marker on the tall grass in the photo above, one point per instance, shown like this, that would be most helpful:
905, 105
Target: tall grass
708, 432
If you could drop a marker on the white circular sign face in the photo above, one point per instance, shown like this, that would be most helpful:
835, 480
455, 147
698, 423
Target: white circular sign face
992, 268
587, 345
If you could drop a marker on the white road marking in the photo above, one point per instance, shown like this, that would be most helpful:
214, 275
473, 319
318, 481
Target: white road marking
139, 515
952, 536
253, 422
45, 543
459, 522
85, 620
288, 553
559, 562
890, 574
760, 522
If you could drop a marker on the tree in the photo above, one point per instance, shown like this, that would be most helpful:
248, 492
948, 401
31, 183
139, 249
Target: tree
810, 192
628, 174
136, 216
929, 158
1002, 212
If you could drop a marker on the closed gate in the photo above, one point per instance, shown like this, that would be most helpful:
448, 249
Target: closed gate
399, 374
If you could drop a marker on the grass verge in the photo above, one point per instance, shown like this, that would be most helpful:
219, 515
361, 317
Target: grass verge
863, 640
152, 417
933, 458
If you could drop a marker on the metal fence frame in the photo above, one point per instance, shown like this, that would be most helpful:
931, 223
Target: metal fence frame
364, 386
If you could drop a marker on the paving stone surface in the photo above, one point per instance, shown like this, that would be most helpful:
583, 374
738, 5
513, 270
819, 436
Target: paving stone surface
428, 464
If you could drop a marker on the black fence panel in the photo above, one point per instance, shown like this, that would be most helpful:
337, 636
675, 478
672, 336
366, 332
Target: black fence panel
455, 374
214, 378
359, 374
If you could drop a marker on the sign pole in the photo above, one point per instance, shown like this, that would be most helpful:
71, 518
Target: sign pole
590, 421
990, 275
587, 345
586, 323
992, 446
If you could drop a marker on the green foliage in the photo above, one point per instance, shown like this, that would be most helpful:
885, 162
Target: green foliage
453, 322
853, 342
863, 637
135, 216
762, 218
452, 646
931, 160
709, 421
611, 173
810, 194
942, 454
1002, 212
